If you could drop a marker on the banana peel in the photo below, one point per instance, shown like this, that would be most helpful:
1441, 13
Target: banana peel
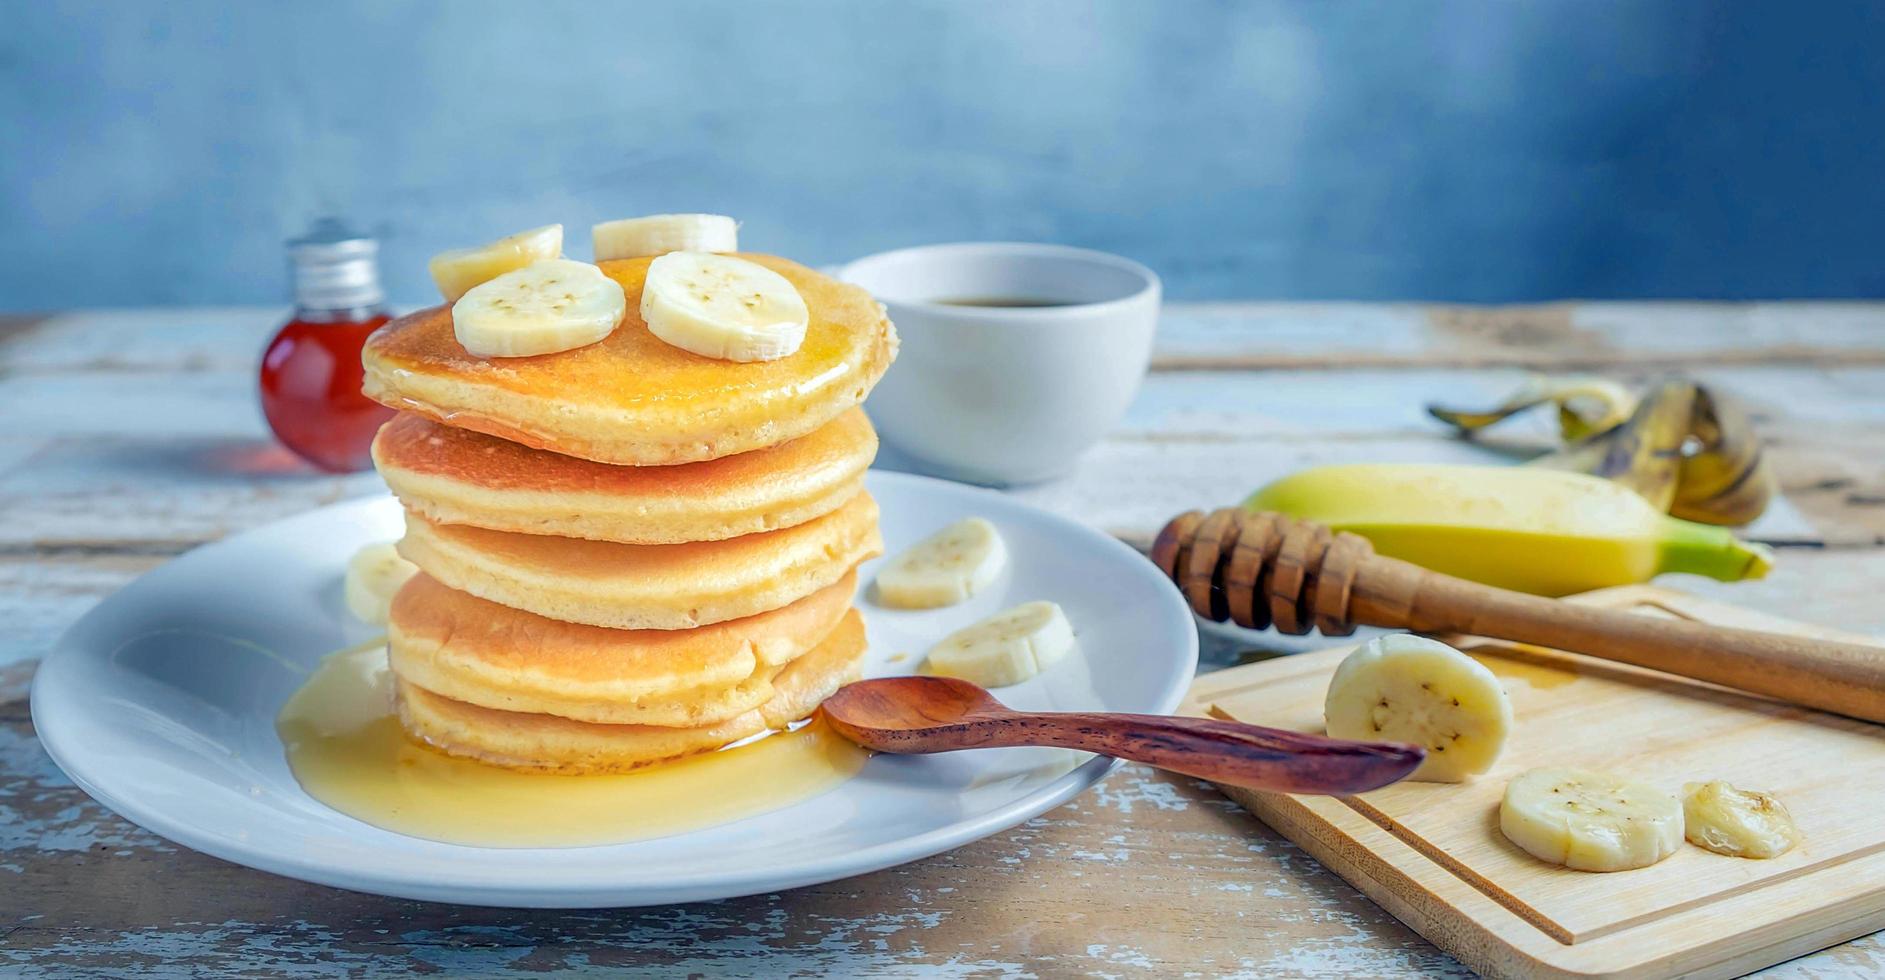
1688, 451
1644, 453
1585, 406
1727, 479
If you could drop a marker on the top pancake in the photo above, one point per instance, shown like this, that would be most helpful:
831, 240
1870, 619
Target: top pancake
632, 398
454, 476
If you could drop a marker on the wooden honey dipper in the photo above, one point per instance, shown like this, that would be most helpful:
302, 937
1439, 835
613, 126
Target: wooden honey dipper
1265, 569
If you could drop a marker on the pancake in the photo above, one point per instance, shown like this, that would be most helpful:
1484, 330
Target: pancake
632, 398
467, 649
532, 741
646, 586
455, 476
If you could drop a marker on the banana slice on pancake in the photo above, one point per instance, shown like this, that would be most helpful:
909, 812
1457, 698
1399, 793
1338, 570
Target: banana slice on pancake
724, 307
659, 234
460, 269
543, 308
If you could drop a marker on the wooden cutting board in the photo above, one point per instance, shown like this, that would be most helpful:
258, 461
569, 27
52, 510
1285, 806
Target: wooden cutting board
1432, 854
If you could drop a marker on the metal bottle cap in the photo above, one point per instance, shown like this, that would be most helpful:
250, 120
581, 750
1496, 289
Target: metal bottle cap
335, 268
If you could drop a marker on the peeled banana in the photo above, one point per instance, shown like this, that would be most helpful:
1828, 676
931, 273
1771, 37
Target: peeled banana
1405, 688
543, 308
658, 234
944, 568
458, 270
374, 574
1590, 821
722, 306
1737, 822
1536, 530
1006, 648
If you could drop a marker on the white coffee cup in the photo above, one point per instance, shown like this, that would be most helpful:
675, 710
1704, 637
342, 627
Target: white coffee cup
1006, 394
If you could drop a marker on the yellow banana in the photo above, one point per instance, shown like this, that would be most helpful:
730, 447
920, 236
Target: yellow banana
1528, 528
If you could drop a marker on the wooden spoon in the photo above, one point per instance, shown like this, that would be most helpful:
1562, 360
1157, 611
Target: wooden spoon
941, 714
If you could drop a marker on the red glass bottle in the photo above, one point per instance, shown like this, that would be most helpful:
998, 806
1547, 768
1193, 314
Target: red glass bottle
311, 371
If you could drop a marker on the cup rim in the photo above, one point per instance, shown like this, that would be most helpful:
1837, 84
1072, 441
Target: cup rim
1149, 282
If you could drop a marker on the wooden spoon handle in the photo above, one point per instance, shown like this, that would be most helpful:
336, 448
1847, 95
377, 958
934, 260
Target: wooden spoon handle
1219, 751
1844, 678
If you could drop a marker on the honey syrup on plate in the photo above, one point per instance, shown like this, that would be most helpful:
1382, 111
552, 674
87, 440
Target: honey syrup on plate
347, 750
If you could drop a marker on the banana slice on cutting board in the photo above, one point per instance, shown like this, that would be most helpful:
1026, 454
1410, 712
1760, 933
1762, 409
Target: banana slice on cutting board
374, 574
1590, 821
542, 308
1006, 648
722, 306
659, 234
460, 269
1737, 822
1404, 688
944, 568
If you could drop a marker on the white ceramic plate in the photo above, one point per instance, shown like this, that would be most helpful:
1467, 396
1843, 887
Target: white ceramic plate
161, 704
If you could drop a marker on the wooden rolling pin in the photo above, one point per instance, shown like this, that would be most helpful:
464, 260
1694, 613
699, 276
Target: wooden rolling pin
1261, 569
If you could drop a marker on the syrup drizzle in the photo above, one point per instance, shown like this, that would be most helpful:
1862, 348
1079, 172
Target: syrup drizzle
348, 750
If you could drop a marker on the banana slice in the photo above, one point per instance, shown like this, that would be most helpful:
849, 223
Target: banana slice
542, 308
944, 568
1590, 821
724, 307
1404, 688
458, 270
1006, 648
1737, 822
374, 573
658, 234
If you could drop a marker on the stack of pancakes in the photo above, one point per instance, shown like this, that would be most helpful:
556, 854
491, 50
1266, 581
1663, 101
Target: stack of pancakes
627, 552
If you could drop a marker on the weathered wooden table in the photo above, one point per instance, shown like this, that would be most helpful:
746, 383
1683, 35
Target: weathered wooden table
129, 437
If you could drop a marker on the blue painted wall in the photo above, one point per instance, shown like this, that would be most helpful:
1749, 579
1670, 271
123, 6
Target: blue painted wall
1425, 149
